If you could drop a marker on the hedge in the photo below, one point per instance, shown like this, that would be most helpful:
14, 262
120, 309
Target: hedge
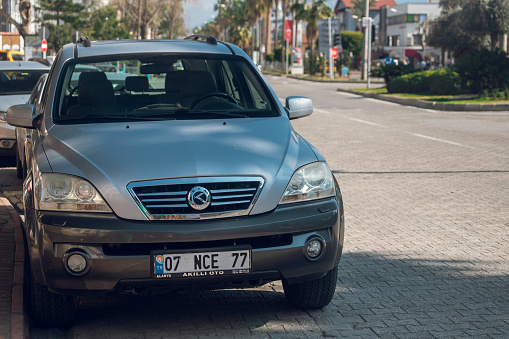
438, 82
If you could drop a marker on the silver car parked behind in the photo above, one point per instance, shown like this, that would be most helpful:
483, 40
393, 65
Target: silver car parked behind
17, 79
187, 174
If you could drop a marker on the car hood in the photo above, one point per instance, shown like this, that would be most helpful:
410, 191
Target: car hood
7, 101
111, 155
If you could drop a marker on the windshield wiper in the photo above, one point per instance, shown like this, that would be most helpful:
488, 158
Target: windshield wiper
118, 117
223, 113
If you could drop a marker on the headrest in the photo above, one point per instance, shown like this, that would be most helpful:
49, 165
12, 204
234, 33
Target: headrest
173, 81
136, 83
198, 83
95, 88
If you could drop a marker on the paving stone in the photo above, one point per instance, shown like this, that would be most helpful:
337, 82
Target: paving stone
425, 252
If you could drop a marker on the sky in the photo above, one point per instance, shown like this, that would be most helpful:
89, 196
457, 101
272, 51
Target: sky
199, 11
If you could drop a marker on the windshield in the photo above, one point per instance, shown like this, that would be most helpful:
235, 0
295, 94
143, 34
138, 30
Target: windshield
159, 87
19, 81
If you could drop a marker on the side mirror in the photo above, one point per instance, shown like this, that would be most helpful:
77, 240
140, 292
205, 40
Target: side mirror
298, 107
21, 116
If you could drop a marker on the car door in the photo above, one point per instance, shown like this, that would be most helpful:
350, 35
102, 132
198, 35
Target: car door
24, 135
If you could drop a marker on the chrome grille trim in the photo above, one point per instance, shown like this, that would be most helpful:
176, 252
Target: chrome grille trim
231, 196
163, 193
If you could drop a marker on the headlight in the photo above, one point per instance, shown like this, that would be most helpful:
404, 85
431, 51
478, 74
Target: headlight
313, 181
3, 117
58, 192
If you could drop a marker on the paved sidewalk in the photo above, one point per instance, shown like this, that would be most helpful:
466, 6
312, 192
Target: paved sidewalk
13, 322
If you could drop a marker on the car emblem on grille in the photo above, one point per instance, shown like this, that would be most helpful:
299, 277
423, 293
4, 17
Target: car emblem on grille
199, 198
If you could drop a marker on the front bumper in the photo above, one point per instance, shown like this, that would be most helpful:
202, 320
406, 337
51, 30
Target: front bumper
119, 250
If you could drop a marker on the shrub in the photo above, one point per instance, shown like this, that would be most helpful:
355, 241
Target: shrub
389, 72
438, 82
317, 65
278, 54
444, 82
484, 71
269, 57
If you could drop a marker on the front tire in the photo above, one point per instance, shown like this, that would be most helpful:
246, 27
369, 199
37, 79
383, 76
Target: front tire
312, 294
49, 309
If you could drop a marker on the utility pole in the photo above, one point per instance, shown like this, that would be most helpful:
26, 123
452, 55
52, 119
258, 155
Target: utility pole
331, 65
365, 50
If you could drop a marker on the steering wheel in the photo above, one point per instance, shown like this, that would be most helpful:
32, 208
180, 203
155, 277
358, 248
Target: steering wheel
216, 94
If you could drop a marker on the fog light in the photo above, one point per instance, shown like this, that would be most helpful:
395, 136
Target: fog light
76, 263
314, 248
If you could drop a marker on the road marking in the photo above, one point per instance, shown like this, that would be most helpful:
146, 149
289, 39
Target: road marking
320, 110
440, 140
414, 134
367, 122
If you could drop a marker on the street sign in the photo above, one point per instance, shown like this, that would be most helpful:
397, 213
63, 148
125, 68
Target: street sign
288, 31
44, 45
334, 53
44, 33
323, 34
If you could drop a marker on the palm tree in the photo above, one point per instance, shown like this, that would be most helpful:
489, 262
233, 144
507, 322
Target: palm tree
239, 33
254, 9
223, 19
317, 10
268, 28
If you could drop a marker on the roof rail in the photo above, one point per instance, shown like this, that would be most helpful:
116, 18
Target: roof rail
84, 41
209, 39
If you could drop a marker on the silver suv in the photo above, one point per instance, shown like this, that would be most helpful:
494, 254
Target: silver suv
179, 170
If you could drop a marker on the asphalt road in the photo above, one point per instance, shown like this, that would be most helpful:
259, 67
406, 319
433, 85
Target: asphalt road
427, 241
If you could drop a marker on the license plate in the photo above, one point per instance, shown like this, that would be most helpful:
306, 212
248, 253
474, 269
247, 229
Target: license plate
205, 263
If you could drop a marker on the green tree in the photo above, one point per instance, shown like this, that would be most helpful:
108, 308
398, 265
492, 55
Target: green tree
239, 32
63, 18
60, 35
172, 22
254, 11
63, 12
351, 42
311, 13
103, 25
465, 25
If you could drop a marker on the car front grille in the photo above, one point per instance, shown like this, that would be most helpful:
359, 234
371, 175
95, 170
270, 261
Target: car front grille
170, 199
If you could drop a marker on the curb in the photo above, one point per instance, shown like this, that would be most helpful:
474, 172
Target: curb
19, 320
439, 106
325, 81
351, 81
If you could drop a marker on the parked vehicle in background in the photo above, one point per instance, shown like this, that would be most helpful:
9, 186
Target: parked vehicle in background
17, 79
11, 55
189, 175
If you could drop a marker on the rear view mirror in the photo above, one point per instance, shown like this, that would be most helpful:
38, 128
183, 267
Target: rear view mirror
298, 107
21, 115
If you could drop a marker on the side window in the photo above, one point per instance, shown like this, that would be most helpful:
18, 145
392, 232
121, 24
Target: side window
44, 98
258, 102
256, 94
36, 92
230, 83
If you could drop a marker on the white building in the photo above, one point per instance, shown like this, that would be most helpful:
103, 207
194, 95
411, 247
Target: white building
406, 28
